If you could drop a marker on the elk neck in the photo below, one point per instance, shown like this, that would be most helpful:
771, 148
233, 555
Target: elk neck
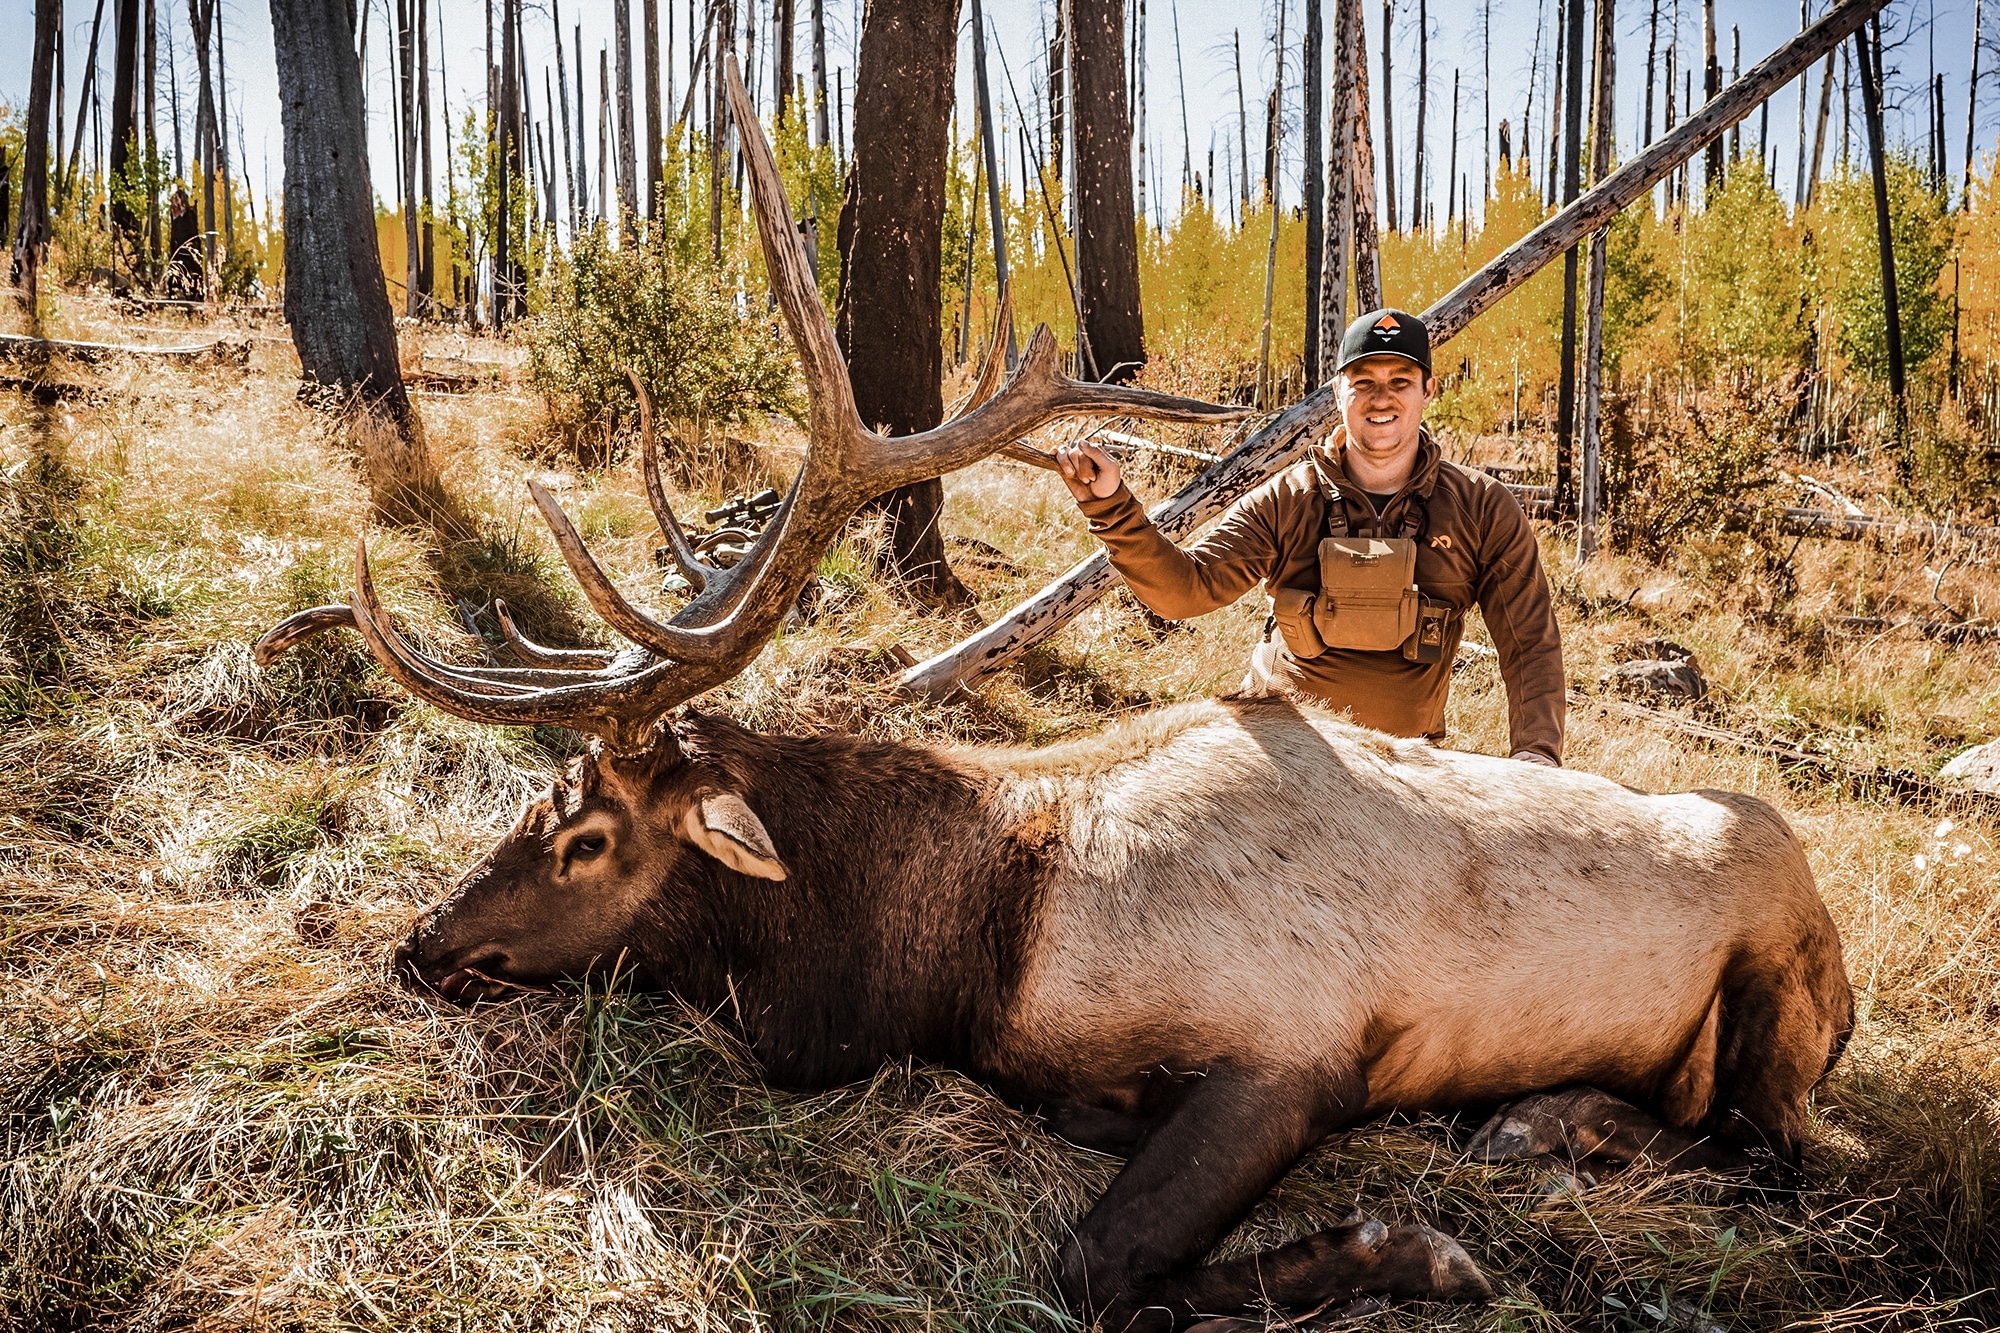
900, 928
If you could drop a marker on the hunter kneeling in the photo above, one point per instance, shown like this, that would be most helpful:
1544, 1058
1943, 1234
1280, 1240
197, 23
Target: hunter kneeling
1372, 549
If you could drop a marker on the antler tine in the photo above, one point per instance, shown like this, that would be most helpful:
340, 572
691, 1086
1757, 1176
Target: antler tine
992, 371
297, 628
561, 659
669, 641
691, 565
623, 710
830, 392
1037, 394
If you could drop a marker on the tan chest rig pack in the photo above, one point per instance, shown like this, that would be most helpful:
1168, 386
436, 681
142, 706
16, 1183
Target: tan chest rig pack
1367, 597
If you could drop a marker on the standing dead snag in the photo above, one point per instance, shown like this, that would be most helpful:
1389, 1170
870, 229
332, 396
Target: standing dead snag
1274, 448
31, 231
891, 238
1107, 247
335, 298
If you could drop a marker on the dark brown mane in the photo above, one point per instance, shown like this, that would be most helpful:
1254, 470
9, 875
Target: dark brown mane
900, 927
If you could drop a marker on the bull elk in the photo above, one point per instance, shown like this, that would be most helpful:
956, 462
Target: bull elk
1203, 940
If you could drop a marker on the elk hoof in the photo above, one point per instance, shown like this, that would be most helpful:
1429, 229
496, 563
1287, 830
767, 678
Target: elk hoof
1569, 1125
1419, 1263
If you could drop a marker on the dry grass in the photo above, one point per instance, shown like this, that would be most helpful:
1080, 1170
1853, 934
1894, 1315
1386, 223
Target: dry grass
220, 1113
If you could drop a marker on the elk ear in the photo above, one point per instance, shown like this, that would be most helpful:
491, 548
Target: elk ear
723, 825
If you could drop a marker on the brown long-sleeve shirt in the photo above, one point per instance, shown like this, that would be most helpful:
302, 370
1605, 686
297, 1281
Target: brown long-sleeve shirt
1475, 546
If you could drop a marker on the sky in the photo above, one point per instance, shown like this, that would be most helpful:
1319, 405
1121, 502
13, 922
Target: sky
1188, 43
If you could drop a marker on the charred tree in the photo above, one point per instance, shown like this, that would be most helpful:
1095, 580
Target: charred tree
989, 145
1367, 239
820, 132
31, 229
784, 20
1711, 84
1604, 69
335, 299
1572, 176
1315, 217
1868, 51
426, 266
151, 124
628, 174
1417, 215
124, 109
1971, 101
405, 60
891, 237
1388, 114
1107, 249
655, 112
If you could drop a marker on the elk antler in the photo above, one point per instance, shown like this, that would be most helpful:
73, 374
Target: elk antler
737, 609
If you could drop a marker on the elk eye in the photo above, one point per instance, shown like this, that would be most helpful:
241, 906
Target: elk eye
588, 846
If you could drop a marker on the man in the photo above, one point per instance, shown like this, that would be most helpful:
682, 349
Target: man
1372, 550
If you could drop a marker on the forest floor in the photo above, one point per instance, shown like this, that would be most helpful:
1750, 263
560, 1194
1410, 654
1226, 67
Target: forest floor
221, 1112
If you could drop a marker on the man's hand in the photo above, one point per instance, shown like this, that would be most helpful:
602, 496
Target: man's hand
1088, 471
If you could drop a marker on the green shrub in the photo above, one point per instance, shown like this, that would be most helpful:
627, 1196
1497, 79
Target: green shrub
705, 357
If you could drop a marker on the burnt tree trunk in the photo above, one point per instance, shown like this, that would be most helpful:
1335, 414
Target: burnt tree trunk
891, 237
1365, 241
335, 298
656, 112
31, 231
1107, 244
1572, 62
1313, 187
1868, 47
784, 19
124, 105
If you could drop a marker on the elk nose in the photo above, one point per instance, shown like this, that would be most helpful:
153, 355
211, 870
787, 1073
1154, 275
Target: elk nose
403, 962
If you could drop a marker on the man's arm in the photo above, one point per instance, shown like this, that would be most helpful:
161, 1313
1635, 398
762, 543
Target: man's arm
1226, 563
1513, 596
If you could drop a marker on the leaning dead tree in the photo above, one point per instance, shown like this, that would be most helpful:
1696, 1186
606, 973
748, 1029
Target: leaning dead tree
738, 609
1276, 446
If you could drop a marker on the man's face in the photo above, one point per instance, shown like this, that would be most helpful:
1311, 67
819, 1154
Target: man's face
1382, 402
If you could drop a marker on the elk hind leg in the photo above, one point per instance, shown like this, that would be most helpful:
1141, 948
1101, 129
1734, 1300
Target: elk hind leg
1585, 1127
1785, 1024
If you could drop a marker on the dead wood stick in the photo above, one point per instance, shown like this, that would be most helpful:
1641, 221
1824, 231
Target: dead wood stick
1796, 520
222, 349
1273, 448
1904, 784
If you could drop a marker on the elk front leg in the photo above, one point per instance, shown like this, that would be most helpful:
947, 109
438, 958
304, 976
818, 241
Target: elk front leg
1133, 1262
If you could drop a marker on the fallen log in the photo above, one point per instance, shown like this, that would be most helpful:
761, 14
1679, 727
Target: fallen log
230, 351
1903, 784
1274, 448
1796, 520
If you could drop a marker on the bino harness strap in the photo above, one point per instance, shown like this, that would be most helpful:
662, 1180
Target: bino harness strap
1367, 597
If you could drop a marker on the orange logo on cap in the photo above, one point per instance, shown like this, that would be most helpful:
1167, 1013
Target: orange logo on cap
1387, 322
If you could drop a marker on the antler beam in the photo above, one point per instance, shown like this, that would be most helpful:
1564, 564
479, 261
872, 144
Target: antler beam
737, 609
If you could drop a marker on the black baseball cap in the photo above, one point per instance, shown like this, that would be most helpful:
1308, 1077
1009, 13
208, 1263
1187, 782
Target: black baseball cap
1386, 333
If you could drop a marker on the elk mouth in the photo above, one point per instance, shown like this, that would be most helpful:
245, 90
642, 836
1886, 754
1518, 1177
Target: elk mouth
479, 974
